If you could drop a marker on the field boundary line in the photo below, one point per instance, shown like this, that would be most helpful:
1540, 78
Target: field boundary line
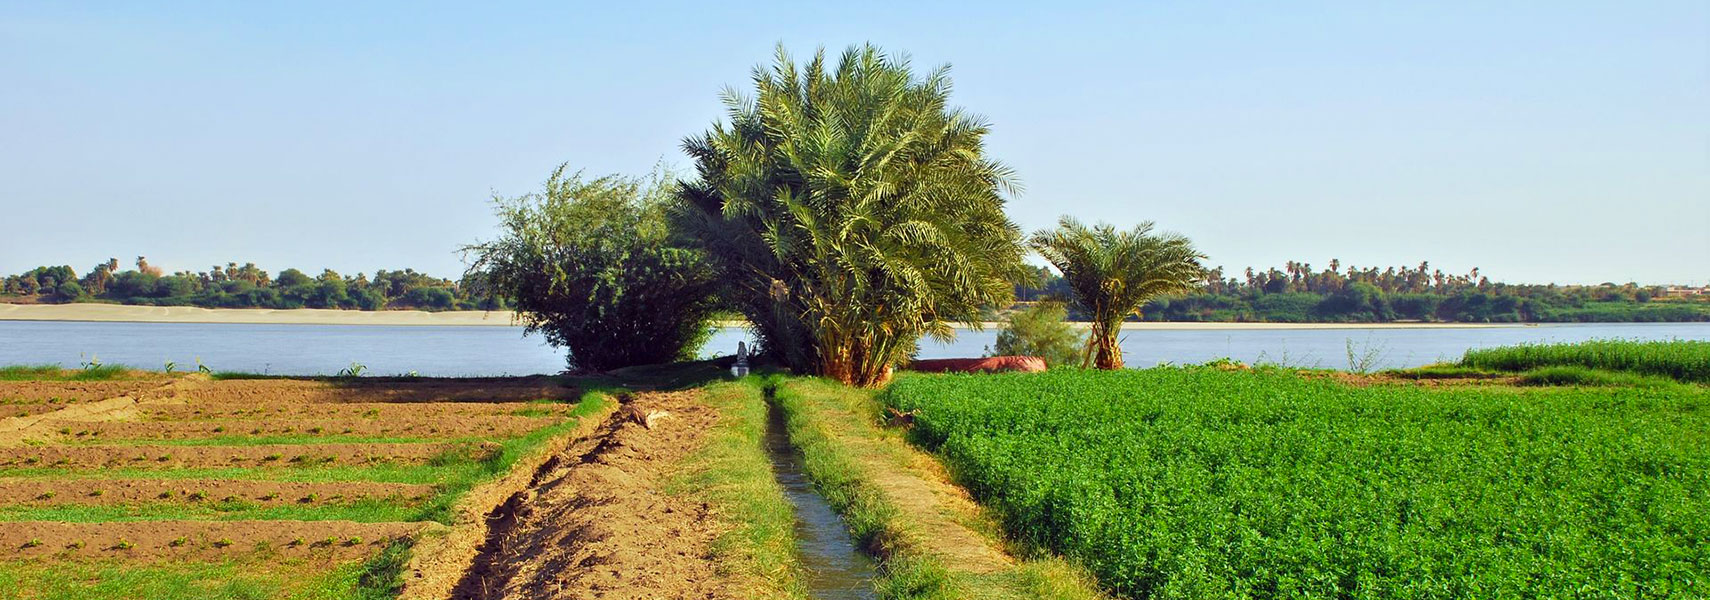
439, 559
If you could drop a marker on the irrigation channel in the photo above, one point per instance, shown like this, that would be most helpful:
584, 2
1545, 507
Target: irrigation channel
836, 567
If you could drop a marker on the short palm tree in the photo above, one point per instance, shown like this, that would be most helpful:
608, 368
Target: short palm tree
1113, 273
851, 210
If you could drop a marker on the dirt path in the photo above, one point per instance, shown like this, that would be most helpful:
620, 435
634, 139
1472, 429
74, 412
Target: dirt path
596, 523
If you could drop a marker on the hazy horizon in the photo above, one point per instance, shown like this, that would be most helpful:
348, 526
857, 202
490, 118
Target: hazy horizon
1561, 143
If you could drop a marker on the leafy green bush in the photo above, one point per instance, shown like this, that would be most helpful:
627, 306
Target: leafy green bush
1205, 483
1040, 330
593, 266
1684, 360
68, 292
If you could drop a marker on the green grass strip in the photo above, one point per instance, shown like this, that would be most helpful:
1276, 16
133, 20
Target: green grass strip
733, 474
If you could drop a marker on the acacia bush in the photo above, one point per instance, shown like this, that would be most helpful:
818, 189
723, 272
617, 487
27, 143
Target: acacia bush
592, 265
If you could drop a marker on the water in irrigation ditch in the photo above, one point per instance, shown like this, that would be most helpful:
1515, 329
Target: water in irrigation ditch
494, 351
837, 569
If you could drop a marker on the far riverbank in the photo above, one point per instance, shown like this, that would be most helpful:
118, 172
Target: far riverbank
120, 313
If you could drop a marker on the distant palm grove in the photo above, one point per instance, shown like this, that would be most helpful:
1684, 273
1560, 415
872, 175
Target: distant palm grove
1347, 294
1294, 294
246, 286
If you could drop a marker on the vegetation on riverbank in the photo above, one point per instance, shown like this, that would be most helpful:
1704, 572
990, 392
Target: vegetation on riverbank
248, 286
1683, 360
1203, 482
1371, 295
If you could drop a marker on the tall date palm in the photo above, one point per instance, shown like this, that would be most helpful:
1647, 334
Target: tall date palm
1113, 273
851, 210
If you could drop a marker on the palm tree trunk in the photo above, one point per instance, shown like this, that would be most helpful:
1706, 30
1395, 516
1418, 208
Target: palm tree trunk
1107, 354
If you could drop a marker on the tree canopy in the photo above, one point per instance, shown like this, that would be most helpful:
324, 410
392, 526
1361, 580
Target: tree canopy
1113, 273
593, 266
850, 210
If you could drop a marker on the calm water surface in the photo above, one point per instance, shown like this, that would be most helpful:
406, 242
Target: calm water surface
468, 351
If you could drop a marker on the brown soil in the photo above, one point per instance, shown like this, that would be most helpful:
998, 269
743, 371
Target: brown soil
155, 456
198, 540
411, 427
69, 392
437, 562
132, 491
386, 411
596, 523
269, 392
25, 410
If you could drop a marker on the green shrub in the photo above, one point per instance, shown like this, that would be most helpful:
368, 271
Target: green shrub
593, 266
1040, 330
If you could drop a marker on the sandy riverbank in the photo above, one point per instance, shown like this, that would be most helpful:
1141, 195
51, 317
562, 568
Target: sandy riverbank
312, 316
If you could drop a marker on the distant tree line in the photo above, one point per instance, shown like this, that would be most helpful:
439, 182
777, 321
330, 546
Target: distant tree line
247, 286
1346, 293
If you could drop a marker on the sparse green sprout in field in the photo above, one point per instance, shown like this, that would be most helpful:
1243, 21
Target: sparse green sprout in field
201, 368
222, 542
220, 429
297, 541
166, 495
272, 457
354, 370
328, 541
271, 496
179, 542
34, 542
97, 493
164, 458
65, 431
77, 545
123, 544
198, 496
171, 367
45, 496
354, 540
315, 430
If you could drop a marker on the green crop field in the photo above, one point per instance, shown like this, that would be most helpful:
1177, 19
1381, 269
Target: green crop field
1202, 483
1685, 360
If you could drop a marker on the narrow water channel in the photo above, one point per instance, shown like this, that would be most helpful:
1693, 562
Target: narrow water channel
837, 569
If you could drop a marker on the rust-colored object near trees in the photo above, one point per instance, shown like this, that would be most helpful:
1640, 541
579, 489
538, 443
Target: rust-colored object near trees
993, 364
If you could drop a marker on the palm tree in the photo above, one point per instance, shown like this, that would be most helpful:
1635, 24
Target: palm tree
1113, 273
850, 211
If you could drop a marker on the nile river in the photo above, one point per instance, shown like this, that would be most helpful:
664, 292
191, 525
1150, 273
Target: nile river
470, 351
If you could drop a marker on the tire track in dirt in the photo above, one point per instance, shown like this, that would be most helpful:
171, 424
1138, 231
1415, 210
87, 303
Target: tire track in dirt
595, 521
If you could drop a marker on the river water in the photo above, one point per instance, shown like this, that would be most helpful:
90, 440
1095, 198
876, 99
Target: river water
493, 351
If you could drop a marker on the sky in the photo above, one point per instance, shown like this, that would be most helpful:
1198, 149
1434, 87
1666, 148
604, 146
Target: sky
1560, 141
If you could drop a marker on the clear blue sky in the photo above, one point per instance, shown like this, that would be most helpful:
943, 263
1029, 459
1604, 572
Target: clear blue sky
1539, 141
